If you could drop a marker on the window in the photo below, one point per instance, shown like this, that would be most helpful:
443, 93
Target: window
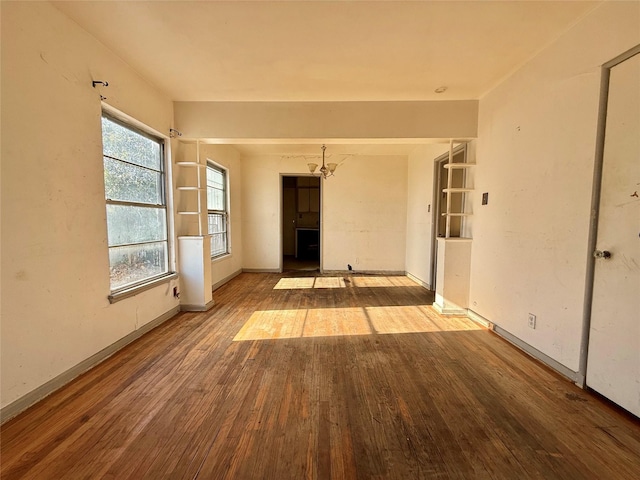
136, 207
217, 210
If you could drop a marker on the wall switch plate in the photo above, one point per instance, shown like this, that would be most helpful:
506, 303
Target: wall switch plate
485, 198
532, 320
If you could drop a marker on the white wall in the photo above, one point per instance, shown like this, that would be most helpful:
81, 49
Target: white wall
261, 209
229, 158
328, 120
364, 215
420, 211
364, 212
535, 158
55, 272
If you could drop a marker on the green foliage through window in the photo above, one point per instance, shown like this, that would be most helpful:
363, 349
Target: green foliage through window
136, 207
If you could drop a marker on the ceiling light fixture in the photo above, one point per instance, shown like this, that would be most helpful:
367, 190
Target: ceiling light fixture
325, 171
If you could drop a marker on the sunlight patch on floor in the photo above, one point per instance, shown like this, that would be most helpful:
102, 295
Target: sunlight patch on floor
415, 319
297, 283
329, 282
320, 322
330, 322
376, 281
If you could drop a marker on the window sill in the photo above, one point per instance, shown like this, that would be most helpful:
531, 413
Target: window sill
220, 257
136, 289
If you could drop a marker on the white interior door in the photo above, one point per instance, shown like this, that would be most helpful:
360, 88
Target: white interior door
613, 365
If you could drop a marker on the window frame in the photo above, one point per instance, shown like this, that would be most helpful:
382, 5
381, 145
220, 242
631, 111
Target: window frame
224, 213
130, 289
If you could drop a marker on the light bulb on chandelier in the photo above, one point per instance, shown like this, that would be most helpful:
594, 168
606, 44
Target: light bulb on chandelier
325, 170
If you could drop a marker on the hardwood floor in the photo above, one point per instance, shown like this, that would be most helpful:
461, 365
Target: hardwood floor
319, 378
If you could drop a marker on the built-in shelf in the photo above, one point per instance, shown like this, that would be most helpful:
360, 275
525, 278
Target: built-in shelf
194, 250
193, 205
457, 190
453, 253
459, 165
190, 164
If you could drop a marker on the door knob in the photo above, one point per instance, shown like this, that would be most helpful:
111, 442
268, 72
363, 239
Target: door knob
602, 254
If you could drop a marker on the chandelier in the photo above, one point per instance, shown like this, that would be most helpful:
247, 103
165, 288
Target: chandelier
325, 171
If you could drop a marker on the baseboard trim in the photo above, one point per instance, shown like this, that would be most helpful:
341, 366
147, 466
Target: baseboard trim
43, 391
418, 281
449, 311
226, 279
260, 270
197, 308
479, 319
538, 355
576, 377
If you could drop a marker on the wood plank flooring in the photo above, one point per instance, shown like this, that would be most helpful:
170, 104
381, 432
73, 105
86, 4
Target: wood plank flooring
321, 378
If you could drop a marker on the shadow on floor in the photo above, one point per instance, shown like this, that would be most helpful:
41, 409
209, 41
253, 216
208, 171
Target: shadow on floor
292, 264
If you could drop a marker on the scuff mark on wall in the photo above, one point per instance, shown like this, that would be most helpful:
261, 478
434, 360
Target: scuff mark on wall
630, 263
69, 78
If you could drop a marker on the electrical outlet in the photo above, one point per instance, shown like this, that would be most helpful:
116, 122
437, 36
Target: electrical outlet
532, 321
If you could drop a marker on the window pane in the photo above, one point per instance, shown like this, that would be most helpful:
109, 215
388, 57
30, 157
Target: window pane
137, 262
217, 223
130, 183
215, 178
218, 244
218, 230
130, 224
137, 231
215, 199
215, 189
125, 144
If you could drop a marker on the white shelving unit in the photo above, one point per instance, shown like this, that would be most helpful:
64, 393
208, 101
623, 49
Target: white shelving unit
197, 185
450, 190
194, 244
453, 253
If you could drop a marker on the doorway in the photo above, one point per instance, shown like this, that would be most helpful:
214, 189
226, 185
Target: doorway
613, 361
301, 223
